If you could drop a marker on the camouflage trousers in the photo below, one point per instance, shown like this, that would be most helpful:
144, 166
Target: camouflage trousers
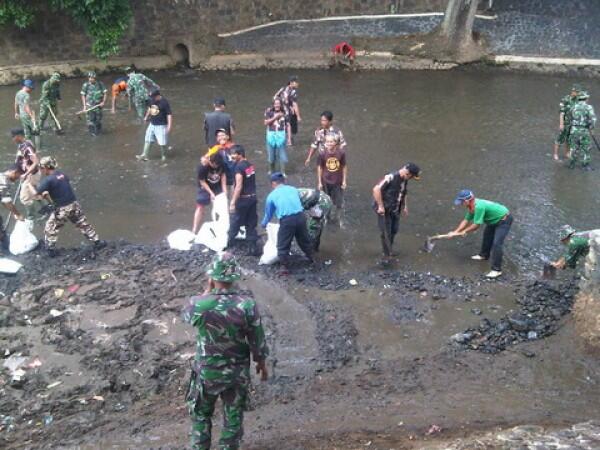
563, 136
201, 406
29, 127
315, 229
45, 106
58, 218
94, 119
140, 102
580, 145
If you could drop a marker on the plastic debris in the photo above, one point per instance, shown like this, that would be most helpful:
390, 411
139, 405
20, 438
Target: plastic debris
73, 289
434, 429
58, 293
353, 282
98, 398
56, 313
14, 362
328, 262
53, 385
48, 419
34, 364
105, 276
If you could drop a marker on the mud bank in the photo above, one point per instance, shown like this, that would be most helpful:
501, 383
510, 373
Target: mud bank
94, 354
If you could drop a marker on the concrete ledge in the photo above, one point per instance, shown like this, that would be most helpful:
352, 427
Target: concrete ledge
73, 68
364, 60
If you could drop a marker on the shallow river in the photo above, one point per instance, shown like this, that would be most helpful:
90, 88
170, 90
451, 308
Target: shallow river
490, 132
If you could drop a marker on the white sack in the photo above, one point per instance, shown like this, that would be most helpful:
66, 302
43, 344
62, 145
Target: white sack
213, 235
181, 240
9, 266
269, 255
22, 240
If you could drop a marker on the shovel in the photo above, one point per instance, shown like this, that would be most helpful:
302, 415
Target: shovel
429, 242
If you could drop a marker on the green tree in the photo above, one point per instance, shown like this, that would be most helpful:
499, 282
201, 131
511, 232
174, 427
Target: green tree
105, 21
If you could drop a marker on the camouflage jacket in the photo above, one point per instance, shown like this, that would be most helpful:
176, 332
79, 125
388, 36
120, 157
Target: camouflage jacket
23, 98
50, 92
229, 330
140, 86
566, 105
93, 93
582, 116
319, 209
318, 142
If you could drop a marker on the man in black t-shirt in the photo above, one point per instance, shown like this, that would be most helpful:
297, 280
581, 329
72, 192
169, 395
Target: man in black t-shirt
218, 119
211, 182
56, 188
161, 121
390, 201
243, 201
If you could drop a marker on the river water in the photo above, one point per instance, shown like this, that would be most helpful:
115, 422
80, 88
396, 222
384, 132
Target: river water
491, 132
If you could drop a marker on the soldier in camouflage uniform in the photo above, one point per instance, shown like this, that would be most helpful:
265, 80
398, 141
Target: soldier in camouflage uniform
24, 112
229, 330
93, 96
564, 121
56, 188
578, 246
139, 88
49, 101
583, 119
317, 205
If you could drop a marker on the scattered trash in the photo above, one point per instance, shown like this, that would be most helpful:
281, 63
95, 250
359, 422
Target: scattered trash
269, 255
14, 362
34, 364
532, 335
56, 313
73, 289
18, 375
119, 407
105, 276
353, 282
48, 419
58, 293
434, 429
53, 385
9, 266
98, 398
181, 240
22, 240
417, 46
476, 311
328, 262
163, 328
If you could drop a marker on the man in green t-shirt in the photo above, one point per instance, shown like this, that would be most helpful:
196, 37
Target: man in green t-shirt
497, 220
578, 246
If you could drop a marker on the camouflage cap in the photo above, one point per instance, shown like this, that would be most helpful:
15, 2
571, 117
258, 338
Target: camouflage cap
309, 197
576, 87
223, 268
48, 162
565, 232
91, 74
55, 76
583, 95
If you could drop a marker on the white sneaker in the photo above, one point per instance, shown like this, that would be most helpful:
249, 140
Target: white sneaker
477, 258
493, 274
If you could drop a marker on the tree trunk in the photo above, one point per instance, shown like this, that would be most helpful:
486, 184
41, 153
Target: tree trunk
457, 27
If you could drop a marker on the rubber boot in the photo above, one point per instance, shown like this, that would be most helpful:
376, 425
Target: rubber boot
145, 153
163, 152
282, 167
37, 141
92, 129
271, 168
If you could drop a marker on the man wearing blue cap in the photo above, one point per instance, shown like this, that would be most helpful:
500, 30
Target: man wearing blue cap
25, 113
497, 220
284, 202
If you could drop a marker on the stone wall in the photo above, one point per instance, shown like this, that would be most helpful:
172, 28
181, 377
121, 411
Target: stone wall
159, 25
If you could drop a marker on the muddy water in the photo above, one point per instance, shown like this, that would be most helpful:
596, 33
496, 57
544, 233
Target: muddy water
491, 132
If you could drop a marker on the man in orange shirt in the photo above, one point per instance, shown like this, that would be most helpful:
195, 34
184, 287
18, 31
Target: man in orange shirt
119, 87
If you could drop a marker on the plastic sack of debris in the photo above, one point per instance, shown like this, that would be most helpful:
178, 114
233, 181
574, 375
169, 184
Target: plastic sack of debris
9, 266
22, 240
269, 255
181, 240
220, 210
213, 235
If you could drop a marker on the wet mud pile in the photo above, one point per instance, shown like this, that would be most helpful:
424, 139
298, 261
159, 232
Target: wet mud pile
540, 310
91, 343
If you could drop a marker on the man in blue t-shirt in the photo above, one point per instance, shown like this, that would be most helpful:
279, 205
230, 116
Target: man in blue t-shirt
284, 202
56, 188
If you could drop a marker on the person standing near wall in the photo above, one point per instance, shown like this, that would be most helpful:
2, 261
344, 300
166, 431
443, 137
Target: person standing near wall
276, 123
93, 97
49, 99
24, 112
161, 122
289, 98
217, 120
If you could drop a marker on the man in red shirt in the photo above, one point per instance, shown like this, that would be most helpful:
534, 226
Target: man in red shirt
344, 54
